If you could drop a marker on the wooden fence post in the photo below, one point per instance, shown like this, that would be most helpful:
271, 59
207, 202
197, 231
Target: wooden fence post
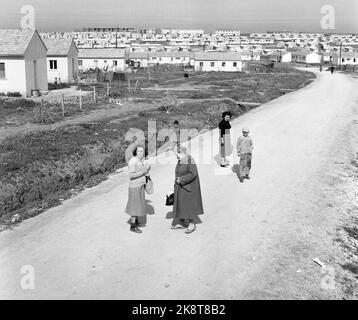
63, 105
41, 111
94, 94
136, 84
81, 99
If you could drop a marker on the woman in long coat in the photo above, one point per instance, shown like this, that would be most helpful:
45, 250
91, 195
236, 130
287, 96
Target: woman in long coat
136, 205
188, 203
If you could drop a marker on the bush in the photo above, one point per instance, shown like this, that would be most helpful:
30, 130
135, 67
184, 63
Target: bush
14, 94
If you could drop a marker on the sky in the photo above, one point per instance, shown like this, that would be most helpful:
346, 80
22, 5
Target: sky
210, 15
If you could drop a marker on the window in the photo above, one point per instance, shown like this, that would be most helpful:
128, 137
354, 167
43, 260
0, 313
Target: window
223, 64
234, 64
201, 64
80, 63
53, 64
2, 70
342, 59
95, 62
115, 63
212, 64
354, 60
178, 58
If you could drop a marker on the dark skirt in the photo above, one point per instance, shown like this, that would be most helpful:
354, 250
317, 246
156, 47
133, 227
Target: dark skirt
225, 147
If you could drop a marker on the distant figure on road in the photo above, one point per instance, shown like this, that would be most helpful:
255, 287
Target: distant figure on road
320, 68
176, 128
244, 148
332, 69
138, 170
224, 127
187, 193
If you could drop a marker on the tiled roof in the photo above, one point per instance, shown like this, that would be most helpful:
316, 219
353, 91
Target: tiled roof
102, 53
219, 56
138, 55
57, 47
14, 42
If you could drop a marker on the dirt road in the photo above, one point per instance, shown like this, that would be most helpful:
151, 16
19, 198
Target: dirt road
257, 239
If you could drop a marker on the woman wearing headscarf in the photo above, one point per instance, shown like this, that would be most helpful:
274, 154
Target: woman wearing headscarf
224, 128
188, 203
138, 171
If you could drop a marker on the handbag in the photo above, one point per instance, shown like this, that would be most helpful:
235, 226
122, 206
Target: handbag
149, 185
170, 200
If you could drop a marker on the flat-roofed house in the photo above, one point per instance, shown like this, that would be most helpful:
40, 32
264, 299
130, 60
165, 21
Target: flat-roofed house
306, 57
22, 62
346, 58
217, 61
62, 60
169, 57
107, 59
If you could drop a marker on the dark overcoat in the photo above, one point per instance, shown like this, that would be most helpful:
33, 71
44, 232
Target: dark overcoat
187, 195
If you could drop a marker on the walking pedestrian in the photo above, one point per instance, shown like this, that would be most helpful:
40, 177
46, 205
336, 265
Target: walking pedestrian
244, 148
138, 171
187, 193
224, 128
176, 140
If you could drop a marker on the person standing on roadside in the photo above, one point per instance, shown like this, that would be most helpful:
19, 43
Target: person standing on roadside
188, 203
224, 131
244, 148
138, 172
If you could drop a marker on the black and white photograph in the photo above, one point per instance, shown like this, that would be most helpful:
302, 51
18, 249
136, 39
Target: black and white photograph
165, 150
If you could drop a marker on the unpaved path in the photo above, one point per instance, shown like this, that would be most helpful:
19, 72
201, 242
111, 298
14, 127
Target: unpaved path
257, 239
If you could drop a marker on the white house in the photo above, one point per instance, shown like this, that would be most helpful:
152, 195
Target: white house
22, 62
107, 59
346, 58
217, 61
306, 57
178, 57
62, 60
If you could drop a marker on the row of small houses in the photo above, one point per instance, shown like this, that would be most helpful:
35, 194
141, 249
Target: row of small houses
29, 63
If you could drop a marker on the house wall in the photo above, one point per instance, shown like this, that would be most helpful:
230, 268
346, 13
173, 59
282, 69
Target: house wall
143, 62
287, 57
61, 73
36, 51
313, 58
217, 66
349, 60
169, 60
72, 59
90, 63
15, 76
